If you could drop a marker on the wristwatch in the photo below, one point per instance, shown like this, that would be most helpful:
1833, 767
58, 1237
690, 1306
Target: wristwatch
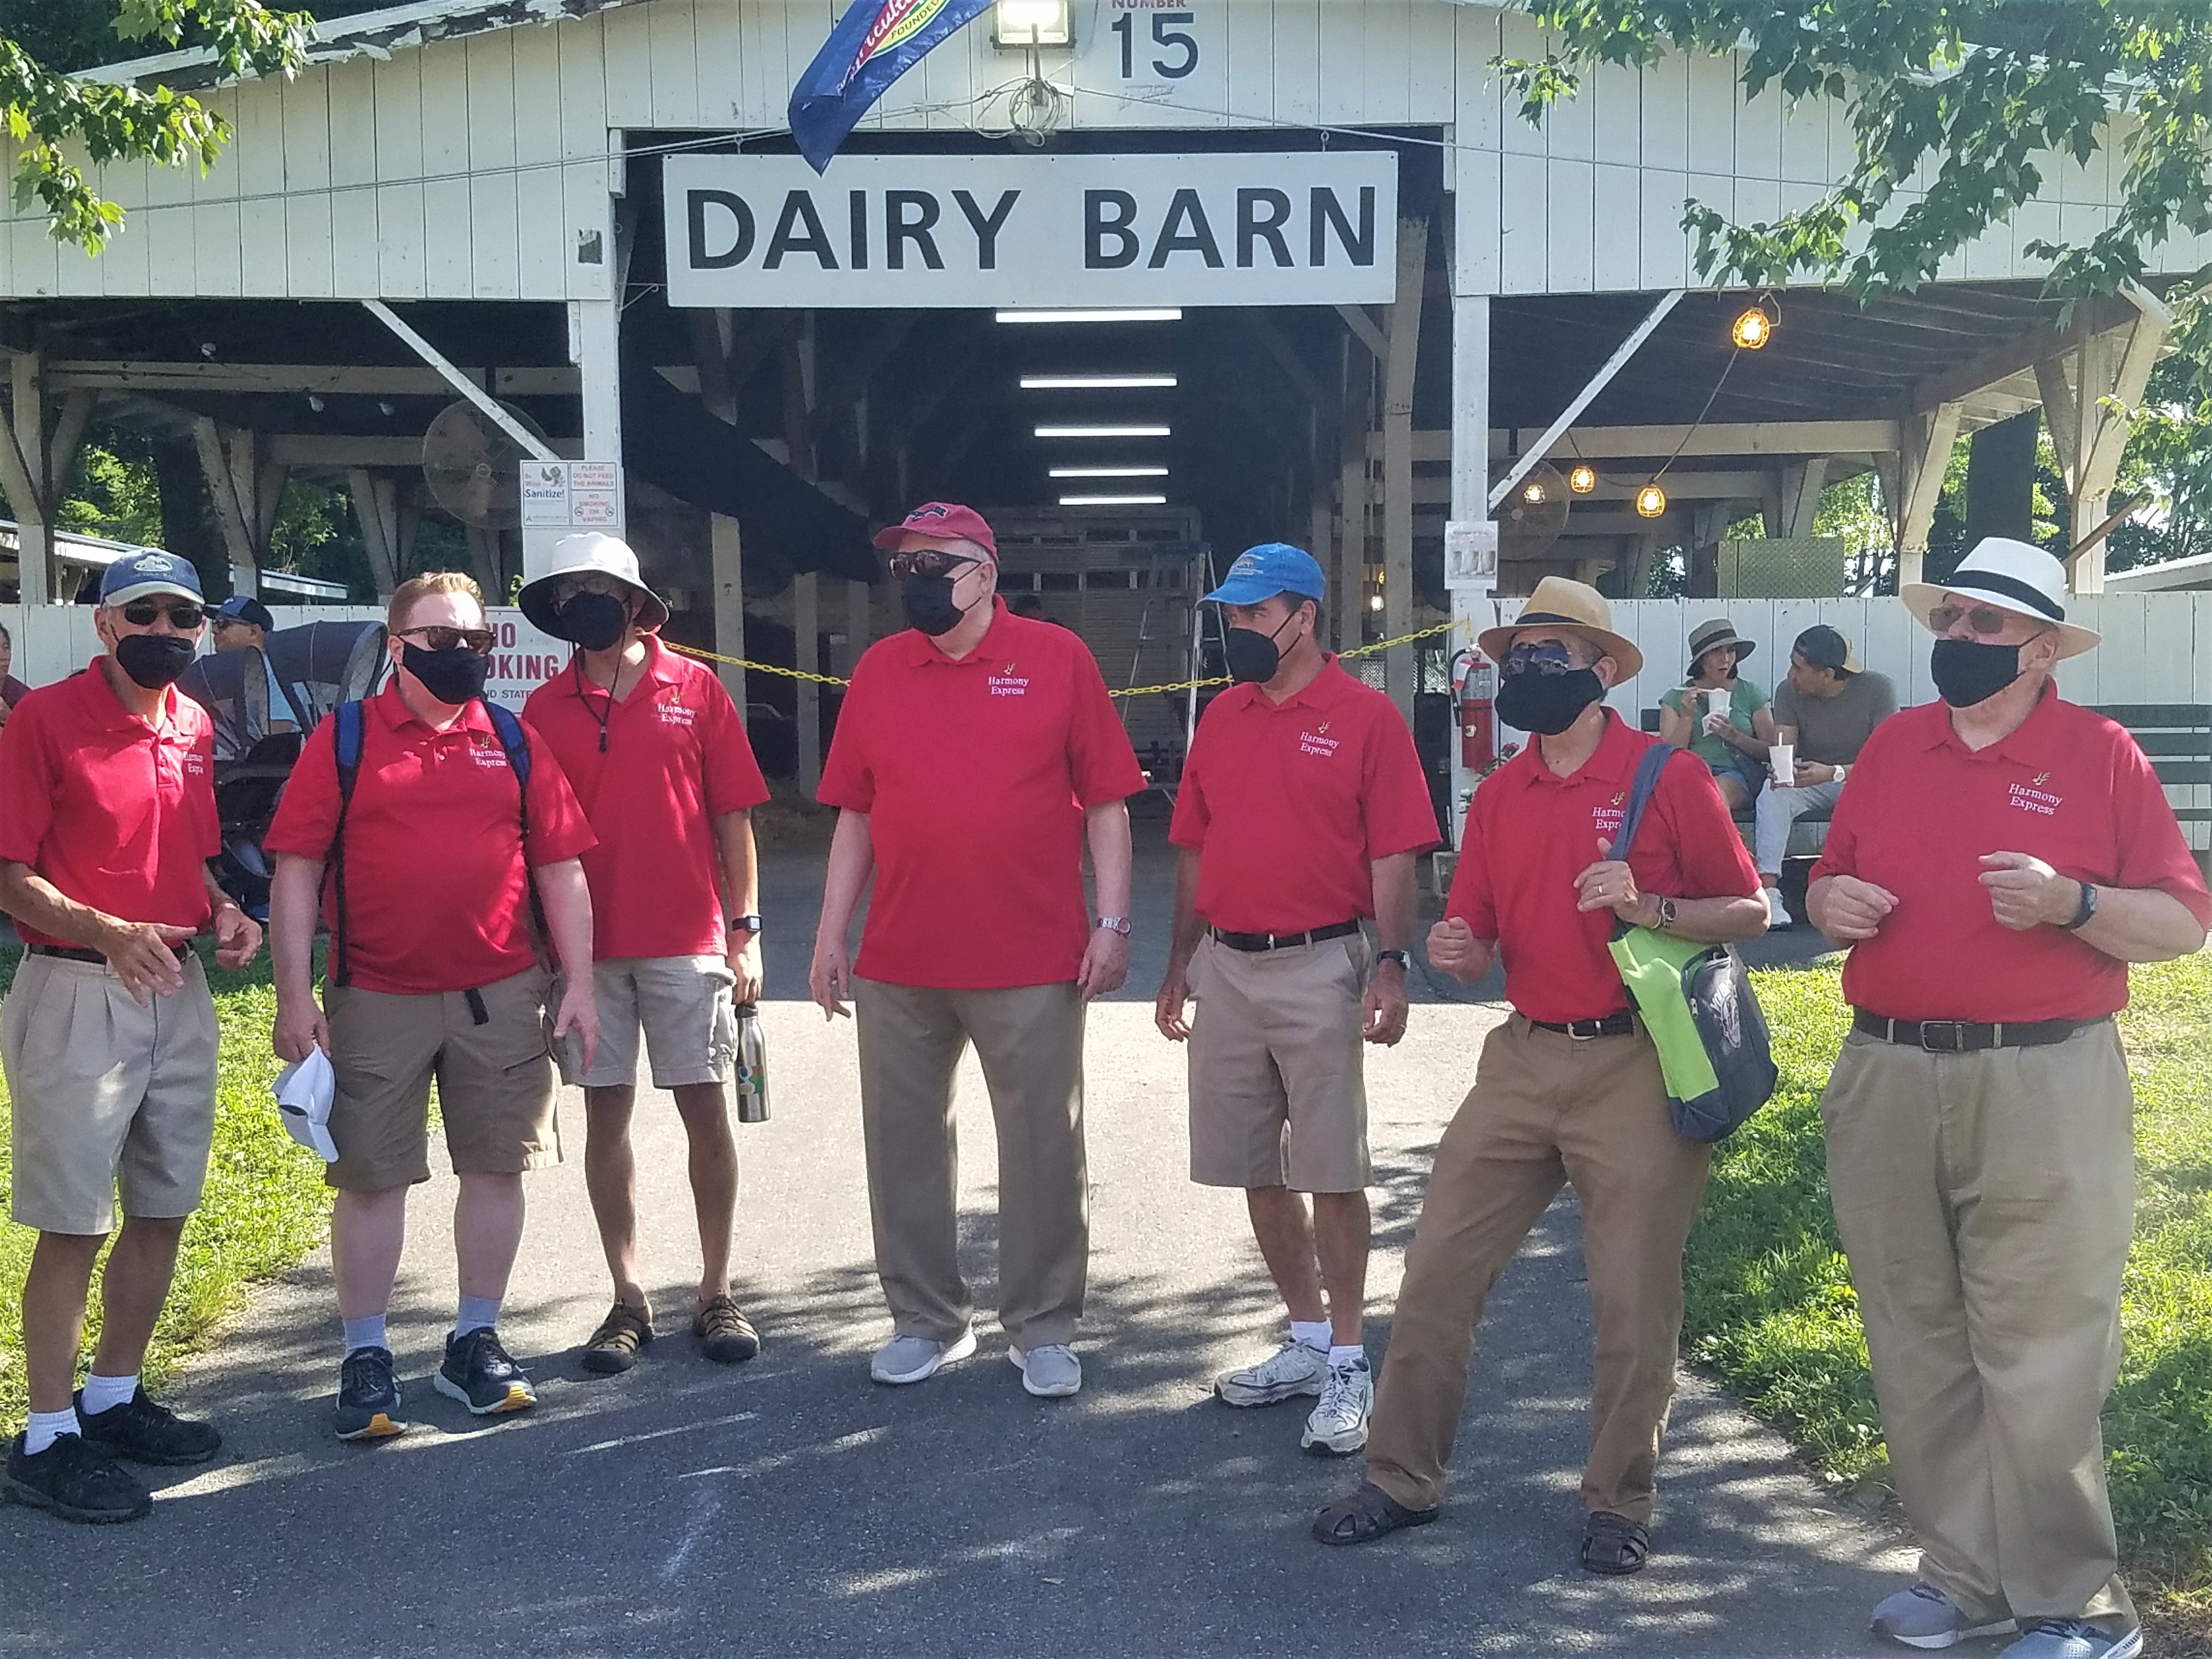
1115, 924
1398, 956
1665, 921
1840, 769
746, 925
2082, 911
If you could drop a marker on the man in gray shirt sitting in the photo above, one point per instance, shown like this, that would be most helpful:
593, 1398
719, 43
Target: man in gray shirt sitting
1827, 708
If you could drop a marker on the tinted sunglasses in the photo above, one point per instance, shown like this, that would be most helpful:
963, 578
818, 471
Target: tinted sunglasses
1984, 619
1549, 658
183, 614
929, 562
477, 639
569, 586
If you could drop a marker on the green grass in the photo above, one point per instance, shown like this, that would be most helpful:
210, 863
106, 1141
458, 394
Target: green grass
265, 1207
1770, 1310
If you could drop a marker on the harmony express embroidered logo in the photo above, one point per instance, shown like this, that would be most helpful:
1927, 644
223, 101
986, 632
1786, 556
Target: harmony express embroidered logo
1607, 816
1008, 685
674, 713
1318, 742
194, 763
484, 751
2032, 797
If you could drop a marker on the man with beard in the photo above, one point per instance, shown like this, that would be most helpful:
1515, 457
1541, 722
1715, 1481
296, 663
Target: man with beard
656, 754
1999, 859
1568, 1090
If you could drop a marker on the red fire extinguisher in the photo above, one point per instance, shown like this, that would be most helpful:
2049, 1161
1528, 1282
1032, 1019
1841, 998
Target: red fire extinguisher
1478, 722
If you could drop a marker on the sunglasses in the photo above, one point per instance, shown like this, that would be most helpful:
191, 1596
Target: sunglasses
183, 614
569, 586
1550, 658
477, 639
1984, 619
929, 562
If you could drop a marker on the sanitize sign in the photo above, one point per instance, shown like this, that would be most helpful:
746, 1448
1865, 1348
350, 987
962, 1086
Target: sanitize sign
971, 231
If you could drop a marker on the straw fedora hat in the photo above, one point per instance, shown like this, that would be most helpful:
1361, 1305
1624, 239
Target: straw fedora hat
1712, 636
2015, 576
590, 554
1559, 603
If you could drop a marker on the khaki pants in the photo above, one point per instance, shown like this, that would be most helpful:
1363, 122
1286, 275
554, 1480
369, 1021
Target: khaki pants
1985, 1201
1547, 1110
1030, 1040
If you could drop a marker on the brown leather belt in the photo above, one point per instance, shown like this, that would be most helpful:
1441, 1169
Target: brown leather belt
1251, 942
1583, 1029
1966, 1037
71, 953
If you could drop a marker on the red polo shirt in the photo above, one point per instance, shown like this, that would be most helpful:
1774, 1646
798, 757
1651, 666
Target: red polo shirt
1530, 833
975, 776
2070, 788
117, 812
1289, 804
675, 759
437, 898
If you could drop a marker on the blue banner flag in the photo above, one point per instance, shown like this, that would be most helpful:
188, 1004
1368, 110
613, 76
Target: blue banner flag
875, 43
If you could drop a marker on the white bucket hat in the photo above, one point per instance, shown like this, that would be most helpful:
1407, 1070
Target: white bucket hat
585, 555
2015, 576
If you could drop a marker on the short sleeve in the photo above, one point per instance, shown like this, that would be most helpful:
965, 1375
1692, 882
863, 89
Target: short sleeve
1708, 851
558, 829
1753, 695
1103, 764
1839, 852
734, 783
307, 812
1399, 816
1192, 816
1671, 701
1470, 899
2152, 851
1784, 704
1884, 698
26, 784
848, 782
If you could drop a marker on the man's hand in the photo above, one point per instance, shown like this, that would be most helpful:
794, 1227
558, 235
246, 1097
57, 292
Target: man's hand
1383, 1010
1454, 948
744, 960
579, 1012
1852, 910
1168, 1006
1608, 884
300, 1026
829, 978
1105, 967
2025, 893
140, 954
237, 938
1809, 773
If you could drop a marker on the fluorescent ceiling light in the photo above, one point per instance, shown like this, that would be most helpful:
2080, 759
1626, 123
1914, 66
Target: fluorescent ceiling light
1031, 23
1109, 473
1104, 431
1113, 500
1096, 382
1142, 314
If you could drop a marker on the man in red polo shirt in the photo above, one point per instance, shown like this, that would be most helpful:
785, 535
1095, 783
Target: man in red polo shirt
1301, 807
434, 974
657, 753
1996, 862
1568, 1090
976, 754
107, 820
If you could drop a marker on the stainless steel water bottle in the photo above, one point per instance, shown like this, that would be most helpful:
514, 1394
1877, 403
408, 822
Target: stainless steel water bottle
752, 1065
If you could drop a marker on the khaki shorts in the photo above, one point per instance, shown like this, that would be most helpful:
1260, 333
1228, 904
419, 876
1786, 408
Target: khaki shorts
1277, 1095
104, 1090
683, 1004
495, 1082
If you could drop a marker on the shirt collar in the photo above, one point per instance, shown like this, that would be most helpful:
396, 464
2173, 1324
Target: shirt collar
392, 709
1324, 691
921, 651
2025, 743
1614, 759
109, 706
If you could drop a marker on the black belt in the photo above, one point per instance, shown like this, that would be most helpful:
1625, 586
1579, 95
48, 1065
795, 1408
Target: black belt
1966, 1037
71, 953
1248, 942
1583, 1030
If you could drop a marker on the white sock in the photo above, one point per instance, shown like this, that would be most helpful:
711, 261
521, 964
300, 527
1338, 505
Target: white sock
1313, 1333
1341, 1355
44, 1428
105, 1392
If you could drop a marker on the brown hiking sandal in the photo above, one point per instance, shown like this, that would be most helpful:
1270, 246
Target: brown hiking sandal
726, 1335
614, 1345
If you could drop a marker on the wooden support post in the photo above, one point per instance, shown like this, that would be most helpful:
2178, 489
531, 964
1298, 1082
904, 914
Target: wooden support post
1352, 490
236, 509
1470, 493
727, 547
374, 499
806, 645
1800, 497
1921, 462
1398, 373
30, 491
484, 564
2121, 372
859, 626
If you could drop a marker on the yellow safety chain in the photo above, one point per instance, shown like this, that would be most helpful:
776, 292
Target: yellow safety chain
1132, 691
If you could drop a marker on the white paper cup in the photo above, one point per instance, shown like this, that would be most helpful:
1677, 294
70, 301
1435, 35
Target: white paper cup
1783, 756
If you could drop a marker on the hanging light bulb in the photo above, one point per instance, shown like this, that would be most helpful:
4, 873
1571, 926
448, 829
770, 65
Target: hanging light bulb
1755, 327
1650, 500
1533, 493
1583, 479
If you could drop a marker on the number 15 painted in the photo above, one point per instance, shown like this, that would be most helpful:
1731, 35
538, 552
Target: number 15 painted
1168, 36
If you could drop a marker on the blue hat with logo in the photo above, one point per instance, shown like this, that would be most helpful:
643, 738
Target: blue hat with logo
1270, 568
149, 572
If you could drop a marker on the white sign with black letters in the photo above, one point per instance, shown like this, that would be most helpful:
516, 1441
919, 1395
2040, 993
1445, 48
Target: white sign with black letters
973, 231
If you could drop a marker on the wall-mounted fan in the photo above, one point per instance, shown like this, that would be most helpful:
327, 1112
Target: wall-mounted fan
474, 469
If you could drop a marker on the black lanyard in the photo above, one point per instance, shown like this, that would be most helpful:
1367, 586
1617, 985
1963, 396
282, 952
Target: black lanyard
576, 662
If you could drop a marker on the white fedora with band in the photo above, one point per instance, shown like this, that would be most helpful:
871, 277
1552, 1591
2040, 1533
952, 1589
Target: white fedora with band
2015, 576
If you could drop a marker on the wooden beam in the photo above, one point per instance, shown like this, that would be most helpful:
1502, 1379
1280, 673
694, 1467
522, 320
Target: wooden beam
1583, 399
1287, 357
336, 452
486, 404
372, 498
1601, 444
1366, 331
2124, 367
1922, 465
231, 513
336, 380
1398, 373
2010, 357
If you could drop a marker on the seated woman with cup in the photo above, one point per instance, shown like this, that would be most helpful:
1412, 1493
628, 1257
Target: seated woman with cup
1720, 716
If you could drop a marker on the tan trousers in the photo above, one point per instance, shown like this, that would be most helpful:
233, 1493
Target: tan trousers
1030, 1040
1985, 1201
1547, 1110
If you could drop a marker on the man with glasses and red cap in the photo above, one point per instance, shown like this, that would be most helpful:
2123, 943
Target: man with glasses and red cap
426, 826
107, 820
1999, 858
976, 754
657, 753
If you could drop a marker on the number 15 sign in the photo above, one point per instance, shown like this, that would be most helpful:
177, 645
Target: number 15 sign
1152, 49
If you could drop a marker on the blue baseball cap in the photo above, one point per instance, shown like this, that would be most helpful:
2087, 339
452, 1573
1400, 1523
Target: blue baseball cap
149, 571
1272, 568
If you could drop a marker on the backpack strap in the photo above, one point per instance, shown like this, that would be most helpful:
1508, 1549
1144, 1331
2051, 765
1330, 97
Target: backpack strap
1639, 796
516, 744
348, 732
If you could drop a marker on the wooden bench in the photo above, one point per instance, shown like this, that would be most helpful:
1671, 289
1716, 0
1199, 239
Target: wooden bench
2177, 739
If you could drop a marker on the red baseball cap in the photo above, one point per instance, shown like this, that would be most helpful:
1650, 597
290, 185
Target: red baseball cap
941, 521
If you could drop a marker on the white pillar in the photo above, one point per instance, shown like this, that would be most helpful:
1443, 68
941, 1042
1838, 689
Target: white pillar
1470, 491
597, 341
806, 636
34, 529
728, 556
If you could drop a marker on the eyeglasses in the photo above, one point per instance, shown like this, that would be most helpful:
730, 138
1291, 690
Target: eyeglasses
477, 639
569, 587
930, 562
183, 614
1549, 658
1984, 619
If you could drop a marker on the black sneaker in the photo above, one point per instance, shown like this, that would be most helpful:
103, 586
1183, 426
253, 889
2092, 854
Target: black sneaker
147, 1433
369, 1396
75, 1482
479, 1373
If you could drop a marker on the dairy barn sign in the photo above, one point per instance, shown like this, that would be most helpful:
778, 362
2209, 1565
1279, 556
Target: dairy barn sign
972, 231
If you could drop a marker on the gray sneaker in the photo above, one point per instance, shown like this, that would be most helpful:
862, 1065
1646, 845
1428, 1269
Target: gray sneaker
2071, 1639
1923, 1617
911, 1358
1051, 1372
1292, 1371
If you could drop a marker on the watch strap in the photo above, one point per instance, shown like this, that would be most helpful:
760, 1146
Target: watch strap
2085, 909
1398, 956
745, 924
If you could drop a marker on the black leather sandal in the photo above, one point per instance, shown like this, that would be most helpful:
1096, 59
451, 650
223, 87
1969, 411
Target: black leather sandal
1614, 1545
1365, 1516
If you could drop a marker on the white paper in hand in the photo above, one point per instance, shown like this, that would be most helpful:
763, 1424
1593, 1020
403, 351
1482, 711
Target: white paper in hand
303, 1102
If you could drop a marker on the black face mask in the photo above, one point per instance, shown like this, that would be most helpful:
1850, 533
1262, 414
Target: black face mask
1968, 671
453, 676
154, 660
1546, 704
595, 621
928, 602
1253, 656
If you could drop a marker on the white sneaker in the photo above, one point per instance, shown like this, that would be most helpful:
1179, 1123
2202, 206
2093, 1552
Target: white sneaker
1050, 1372
1338, 1427
1292, 1370
1779, 918
911, 1358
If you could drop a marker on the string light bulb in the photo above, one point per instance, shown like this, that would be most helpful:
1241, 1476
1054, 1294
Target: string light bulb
1533, 493
1583, 478
1755, 327
1650, 500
